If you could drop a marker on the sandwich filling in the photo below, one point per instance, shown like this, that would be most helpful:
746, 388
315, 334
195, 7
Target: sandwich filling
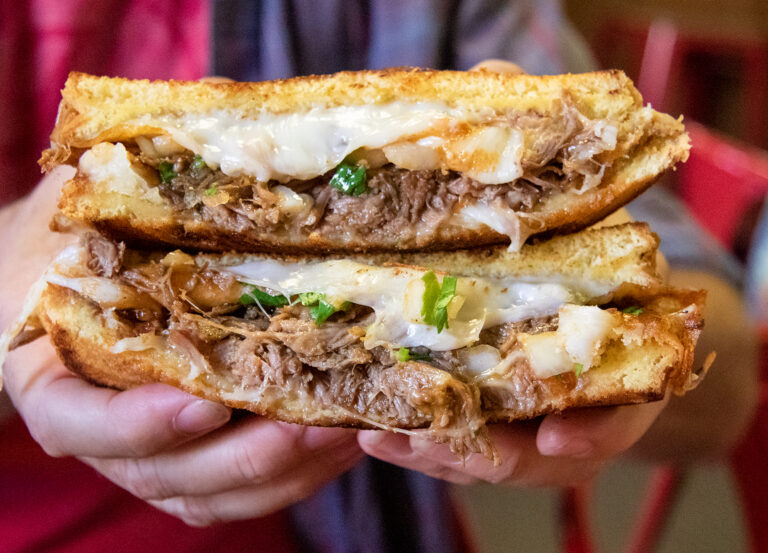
404, 345
394, 175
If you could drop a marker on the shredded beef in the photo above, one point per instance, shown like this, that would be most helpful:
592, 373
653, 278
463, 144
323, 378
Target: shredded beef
105, 257
564, 150
284, 352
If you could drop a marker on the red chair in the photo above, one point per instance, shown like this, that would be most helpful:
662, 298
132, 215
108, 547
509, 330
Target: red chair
668, 61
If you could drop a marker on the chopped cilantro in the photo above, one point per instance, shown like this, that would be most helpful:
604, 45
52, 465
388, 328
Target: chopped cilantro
404, 354
167, 174
350, 179
310, 298
198, 164
253, 295
633, 310
578, 368
319, 308
212, 191
434, 309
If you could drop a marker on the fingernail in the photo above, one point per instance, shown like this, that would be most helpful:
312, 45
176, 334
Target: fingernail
201, 416
569, 448
372, 437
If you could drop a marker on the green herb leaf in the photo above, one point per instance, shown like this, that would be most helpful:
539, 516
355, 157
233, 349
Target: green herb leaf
198, 164
633, 310
429, 299
578, 368
434, 307
319, 308
167, 174
212, 191
253, 295
321, 312
310, 298
350, 179
447, 293
404, 354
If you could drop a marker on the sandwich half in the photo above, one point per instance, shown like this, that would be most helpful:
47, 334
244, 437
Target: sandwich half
401, 159
440, 341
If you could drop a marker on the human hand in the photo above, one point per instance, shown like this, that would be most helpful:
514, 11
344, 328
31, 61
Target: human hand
498, 66
561, 450
167, 447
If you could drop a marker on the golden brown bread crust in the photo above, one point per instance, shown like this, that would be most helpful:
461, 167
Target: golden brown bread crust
93, 109
660, 358
619, 254
97, 109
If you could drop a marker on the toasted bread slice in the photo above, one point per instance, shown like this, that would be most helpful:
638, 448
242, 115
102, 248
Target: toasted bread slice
586, 143
408, 395
138, 318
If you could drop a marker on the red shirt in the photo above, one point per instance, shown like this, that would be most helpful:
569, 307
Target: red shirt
63, 505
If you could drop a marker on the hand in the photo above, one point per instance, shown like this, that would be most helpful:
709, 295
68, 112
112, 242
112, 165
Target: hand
561, 450
498, 66
167, 447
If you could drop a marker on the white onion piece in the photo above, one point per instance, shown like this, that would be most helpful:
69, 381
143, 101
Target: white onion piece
166, 146
147, 147
481, 358
413, 157
290, 201
583, 331
546, 354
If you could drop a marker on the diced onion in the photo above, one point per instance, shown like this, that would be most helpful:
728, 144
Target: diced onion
481, 358
290, 201
583, 331
413, 157
546, 354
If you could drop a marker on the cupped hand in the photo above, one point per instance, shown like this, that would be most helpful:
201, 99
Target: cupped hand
559, 450
174, 450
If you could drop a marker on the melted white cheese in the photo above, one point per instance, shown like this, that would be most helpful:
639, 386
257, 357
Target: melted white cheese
304, 145
394, 293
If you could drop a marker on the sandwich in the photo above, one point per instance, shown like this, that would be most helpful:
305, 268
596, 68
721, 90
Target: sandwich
393, 160
442, 341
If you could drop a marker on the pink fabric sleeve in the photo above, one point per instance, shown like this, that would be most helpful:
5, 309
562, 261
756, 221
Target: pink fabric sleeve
43, 40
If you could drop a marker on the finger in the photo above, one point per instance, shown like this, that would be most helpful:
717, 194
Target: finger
259, 500
396, 449
520, 462
255, 451
596, 433
69, 416
498, 66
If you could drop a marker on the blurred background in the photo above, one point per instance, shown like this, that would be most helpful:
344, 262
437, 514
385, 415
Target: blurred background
705, 59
